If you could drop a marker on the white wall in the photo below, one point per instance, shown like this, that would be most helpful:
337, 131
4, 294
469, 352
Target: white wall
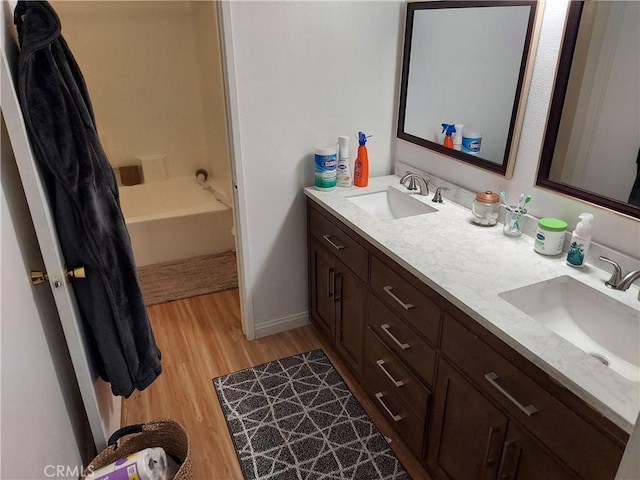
205, 18
611, 229
154, 79
43, 421
305, 73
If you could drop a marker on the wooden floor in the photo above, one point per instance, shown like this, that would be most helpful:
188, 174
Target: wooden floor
201, 338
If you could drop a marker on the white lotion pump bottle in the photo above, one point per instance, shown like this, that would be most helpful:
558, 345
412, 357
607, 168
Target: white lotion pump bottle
344, 169
580, 241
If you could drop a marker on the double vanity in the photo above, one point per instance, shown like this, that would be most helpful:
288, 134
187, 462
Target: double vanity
490, 360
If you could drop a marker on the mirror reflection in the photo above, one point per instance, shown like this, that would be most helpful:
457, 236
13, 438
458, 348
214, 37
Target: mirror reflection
592, 143
463, 75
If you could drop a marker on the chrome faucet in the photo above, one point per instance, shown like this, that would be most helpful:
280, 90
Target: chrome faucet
414, 178
617, 281
437, 197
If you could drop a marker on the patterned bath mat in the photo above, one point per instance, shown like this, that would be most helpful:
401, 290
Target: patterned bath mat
295, 418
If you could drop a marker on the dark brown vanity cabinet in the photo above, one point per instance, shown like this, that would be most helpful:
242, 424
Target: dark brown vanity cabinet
338, 271
569, 435
470, 437
467, 404
322, 267
402, 336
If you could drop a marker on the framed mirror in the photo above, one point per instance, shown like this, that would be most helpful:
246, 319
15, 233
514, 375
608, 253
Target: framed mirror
591, 147
467, 63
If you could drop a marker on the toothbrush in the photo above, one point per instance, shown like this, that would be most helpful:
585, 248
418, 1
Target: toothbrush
503, 196
521, 209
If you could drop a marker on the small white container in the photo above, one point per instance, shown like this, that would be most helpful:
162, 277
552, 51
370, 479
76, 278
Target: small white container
325, 163
550, 236
485, 208
471, 141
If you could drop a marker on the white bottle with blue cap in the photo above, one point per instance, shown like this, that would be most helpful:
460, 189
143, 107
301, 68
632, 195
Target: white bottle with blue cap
344, 169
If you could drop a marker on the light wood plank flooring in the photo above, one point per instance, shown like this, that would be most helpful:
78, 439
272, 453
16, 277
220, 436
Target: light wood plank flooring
201, 338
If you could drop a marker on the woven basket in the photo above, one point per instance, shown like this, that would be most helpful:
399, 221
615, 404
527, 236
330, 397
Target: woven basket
164, 433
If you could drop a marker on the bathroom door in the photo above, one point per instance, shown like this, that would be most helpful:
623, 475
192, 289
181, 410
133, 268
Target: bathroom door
102, 408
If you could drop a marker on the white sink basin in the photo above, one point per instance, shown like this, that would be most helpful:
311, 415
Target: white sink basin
391, 204
594, 322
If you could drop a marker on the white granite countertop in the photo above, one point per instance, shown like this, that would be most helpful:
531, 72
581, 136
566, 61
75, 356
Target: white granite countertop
470, 265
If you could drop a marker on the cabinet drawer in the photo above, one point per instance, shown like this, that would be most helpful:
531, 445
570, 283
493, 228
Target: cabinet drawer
402, 340
568, 435
409, 427
340, 243
406, 300
387, 366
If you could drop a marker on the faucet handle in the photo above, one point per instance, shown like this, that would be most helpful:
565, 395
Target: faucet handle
616, 275
437, 197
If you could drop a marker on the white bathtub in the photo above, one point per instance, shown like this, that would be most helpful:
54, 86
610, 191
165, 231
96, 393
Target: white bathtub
175, 219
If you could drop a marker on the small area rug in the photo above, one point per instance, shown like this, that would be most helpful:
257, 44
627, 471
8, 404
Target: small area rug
169, 281
295, 418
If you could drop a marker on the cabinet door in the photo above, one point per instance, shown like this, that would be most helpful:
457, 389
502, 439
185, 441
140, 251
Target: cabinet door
351, 307
467, 430
523, 459
322, 292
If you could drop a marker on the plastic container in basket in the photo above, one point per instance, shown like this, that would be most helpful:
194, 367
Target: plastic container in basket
168, 434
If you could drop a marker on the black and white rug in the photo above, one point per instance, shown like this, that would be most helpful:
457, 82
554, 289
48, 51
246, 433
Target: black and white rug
295, 418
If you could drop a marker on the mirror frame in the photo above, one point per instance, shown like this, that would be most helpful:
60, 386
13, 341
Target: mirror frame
504, 168
574, 14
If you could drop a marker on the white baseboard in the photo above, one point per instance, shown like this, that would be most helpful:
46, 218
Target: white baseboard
282, 324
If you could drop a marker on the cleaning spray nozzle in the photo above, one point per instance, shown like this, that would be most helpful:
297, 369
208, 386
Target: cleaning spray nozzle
362, 138
448, 129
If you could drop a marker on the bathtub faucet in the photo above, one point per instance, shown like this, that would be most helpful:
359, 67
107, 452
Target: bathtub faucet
201, 176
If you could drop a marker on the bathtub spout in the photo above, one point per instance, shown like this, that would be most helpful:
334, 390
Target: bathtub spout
201, 176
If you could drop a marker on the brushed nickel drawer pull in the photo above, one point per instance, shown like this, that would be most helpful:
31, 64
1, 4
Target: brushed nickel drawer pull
337, 287
406, 306
396, 418
381, 363
334, 245
385, 327
489, 460
493, 378
511, 456
331, 282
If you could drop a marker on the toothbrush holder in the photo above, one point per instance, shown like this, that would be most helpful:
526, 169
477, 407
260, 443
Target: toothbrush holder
512, 217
